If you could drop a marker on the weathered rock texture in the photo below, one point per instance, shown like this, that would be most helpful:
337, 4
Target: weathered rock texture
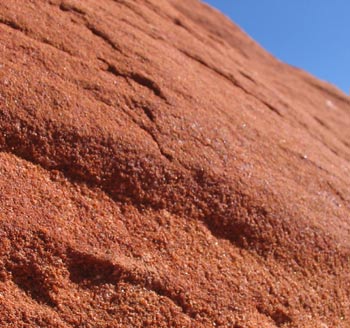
159, 169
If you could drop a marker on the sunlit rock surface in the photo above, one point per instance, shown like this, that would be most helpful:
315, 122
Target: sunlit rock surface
159, 169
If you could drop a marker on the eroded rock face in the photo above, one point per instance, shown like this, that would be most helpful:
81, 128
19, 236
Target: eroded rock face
159, 169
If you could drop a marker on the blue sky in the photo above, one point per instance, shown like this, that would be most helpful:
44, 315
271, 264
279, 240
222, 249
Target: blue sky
310, 34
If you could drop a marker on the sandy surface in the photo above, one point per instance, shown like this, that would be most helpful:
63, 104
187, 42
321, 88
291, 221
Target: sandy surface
159, 169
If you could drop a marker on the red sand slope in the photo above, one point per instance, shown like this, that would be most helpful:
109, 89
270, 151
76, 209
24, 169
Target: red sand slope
159, 169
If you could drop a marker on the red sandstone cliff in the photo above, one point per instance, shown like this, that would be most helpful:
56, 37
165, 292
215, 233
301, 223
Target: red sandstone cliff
159, 169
